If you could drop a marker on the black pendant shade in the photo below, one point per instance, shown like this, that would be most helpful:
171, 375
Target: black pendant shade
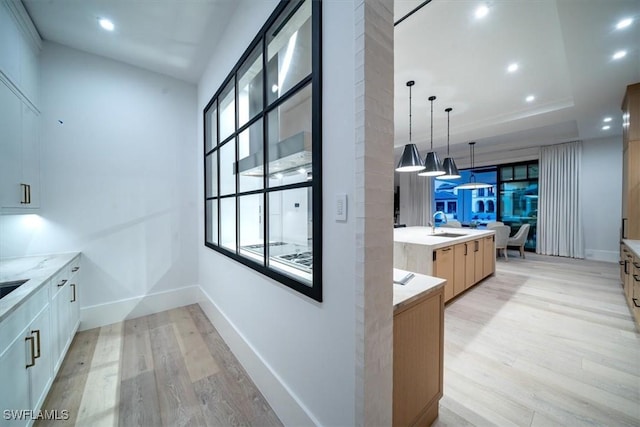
432, 164
449, 165
410, 160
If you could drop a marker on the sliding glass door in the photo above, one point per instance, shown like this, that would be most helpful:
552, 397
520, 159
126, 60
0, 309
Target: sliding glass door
518, 204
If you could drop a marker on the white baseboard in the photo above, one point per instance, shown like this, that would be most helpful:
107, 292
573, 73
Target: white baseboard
597, 255
283, 401
130, 308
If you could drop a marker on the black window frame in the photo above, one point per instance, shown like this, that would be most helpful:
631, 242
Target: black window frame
314, 80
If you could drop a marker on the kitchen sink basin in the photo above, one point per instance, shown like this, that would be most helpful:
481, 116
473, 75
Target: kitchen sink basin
448, 235
7, 287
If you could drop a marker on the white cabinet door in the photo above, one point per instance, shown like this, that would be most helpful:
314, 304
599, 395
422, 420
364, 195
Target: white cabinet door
74, 305
14, 378
59, 322
10, 147
40, 373
9, 48
31, 156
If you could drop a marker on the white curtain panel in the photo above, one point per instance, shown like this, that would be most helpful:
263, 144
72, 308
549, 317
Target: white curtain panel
415, 199
559, 217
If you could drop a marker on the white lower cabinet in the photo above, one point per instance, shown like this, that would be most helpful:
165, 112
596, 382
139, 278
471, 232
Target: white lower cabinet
26, 372
34, 339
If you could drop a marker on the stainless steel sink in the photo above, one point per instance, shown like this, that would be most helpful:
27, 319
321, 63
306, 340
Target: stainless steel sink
7, 287
448, 235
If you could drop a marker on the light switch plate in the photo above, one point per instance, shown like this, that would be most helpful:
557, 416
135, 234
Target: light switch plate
341, 207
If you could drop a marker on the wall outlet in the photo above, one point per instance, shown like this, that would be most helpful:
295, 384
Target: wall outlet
341, 207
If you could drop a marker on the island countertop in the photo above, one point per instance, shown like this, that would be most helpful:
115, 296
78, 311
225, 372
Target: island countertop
419, 286
424, 236
35, 269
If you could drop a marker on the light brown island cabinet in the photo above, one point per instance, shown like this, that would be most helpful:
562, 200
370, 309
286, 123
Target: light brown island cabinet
460, 268
630, 278
630, 227
443, 267
488, 256
469, 265
418, 352
478, 251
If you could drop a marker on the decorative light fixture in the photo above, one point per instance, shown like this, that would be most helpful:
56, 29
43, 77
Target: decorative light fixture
410, 160
449, 165
472, 184
432, 164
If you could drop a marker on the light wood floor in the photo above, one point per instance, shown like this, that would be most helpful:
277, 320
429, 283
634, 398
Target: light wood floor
166, 369
547, 341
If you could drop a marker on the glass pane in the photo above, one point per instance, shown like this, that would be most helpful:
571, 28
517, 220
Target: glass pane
251, 155
211, 179
228, 223
290, 233
290, 140
506, 173
227, 111
289, 49
251, 227
519, 205
211, 221
520, 172
227, 161
250, 87
533, 171
211, 128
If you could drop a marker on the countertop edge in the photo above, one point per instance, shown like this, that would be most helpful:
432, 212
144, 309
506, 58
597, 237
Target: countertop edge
419, 287
33, 284
476, 234
634, 245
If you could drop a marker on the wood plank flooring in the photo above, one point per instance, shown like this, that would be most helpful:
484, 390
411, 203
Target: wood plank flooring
166, 369
547, 341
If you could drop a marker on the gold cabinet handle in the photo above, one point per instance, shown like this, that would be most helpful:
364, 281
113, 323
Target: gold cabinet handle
28, 194
37, 332
23, 194
74, 269
33, 350
73, 286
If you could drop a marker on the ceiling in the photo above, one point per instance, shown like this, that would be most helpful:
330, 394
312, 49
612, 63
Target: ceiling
563, 49
166, 36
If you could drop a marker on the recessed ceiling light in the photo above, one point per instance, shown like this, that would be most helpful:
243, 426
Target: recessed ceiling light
606, 127
607, 119
482, 11
530, 98
624, 23
620, 54
513, 67
106, 24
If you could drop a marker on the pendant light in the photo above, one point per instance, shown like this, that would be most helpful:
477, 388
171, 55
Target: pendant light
472, 184
432, 164
410, 160
449, 165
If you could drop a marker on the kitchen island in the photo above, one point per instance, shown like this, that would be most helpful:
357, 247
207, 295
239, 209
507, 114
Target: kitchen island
418, 348
461, 256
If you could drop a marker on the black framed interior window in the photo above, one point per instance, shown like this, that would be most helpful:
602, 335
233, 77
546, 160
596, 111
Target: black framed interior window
263, 153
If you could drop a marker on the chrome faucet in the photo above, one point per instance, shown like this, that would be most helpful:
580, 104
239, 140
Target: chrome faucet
435, 214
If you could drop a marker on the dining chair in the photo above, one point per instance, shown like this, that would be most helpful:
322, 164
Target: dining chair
502, 237
519, 239
494, 224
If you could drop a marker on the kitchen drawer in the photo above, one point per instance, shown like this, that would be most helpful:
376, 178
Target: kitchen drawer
59, 280
74, 265
23, 315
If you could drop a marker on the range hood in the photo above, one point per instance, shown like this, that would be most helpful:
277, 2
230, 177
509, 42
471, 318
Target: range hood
290, 154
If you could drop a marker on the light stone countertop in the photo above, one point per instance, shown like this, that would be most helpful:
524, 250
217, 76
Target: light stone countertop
36, 269
418, 287
423, 236
634, 245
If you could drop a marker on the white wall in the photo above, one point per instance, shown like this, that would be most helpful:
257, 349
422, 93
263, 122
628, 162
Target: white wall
119, 177
601, 195
308, 346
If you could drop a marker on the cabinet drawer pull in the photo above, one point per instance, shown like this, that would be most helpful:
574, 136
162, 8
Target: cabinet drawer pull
635, 302
73, 286
74, 269
33, 351
623, 232
37, 332
636, 264
62, 283
465, 249
636, 278
446, 249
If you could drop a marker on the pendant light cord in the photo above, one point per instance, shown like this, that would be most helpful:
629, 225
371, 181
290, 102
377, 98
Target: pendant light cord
409, 113
432, 98
448, 110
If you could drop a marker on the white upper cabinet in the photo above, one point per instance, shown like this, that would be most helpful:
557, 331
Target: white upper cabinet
19, 114
20, 47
